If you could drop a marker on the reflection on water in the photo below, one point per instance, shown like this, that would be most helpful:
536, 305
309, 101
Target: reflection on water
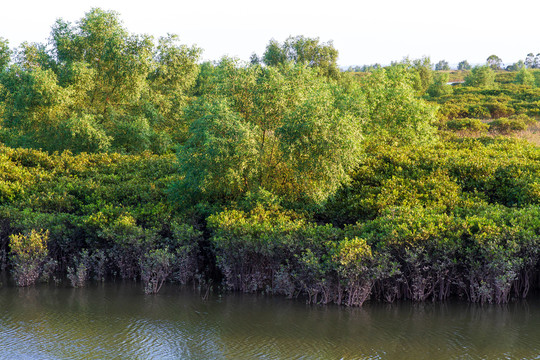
116, 320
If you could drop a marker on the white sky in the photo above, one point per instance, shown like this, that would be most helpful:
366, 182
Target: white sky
364, 32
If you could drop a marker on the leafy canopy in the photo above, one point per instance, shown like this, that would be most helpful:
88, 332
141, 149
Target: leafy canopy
305, 51
286, 130
97, 88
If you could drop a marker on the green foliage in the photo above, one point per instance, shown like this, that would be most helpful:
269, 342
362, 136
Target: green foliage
473, 125
442, 65
477, 254
83, 134
478, 102
251, 247
187, 242
78, 274
110, 202
439, 86
28, 254
156, 266
524, 77
464, 65
513, 123
396, 115
286, 130
320, 144
494, 62
426, 222
276, 251
290, 178
131, 134
274, 55
220, 156
120, 61
98, 88
516, 66
128, 243
34, 106
172, 77
304, 51
355, 265
412, 249
5, 54
480, 76
422, 69
446, 177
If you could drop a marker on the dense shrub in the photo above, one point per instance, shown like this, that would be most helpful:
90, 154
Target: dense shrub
480, 76
473, 125
446, 177
513, 123
102, 212
478, 102
416, 222
156, 266
28, 256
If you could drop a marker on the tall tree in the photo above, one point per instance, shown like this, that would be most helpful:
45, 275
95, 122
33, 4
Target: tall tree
516, 66
529, 61
113, 90
494, 62
171, 78
119, 62
303, 50
5, 54
439, 86
285, 130
537, 61
423, 72
464, 65
396, 115
442, 65
274, 54
34, 106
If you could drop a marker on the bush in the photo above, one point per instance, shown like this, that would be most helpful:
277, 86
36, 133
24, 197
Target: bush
186, 244
78, 274
355, 266
128, 243
473, 125
511, 124
28, 256
480, 76
156, 266
524, 77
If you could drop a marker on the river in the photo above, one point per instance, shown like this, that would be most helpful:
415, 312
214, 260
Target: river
117, 321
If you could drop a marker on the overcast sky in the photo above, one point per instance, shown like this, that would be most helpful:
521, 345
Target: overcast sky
364, 32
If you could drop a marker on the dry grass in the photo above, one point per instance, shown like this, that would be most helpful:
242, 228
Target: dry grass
532, 134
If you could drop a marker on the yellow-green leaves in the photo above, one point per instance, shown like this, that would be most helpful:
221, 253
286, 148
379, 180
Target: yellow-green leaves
31, 246
288, 131
396, 116
480, 76
28, 254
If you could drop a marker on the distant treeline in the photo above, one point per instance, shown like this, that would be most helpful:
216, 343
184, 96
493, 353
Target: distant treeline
123, 156
493, 61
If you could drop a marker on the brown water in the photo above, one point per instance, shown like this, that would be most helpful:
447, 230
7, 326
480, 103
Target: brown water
117, 321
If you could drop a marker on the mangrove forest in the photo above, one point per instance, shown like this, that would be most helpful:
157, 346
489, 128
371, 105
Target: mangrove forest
123, 156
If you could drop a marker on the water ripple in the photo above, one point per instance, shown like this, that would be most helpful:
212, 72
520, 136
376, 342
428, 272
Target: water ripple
118, 321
